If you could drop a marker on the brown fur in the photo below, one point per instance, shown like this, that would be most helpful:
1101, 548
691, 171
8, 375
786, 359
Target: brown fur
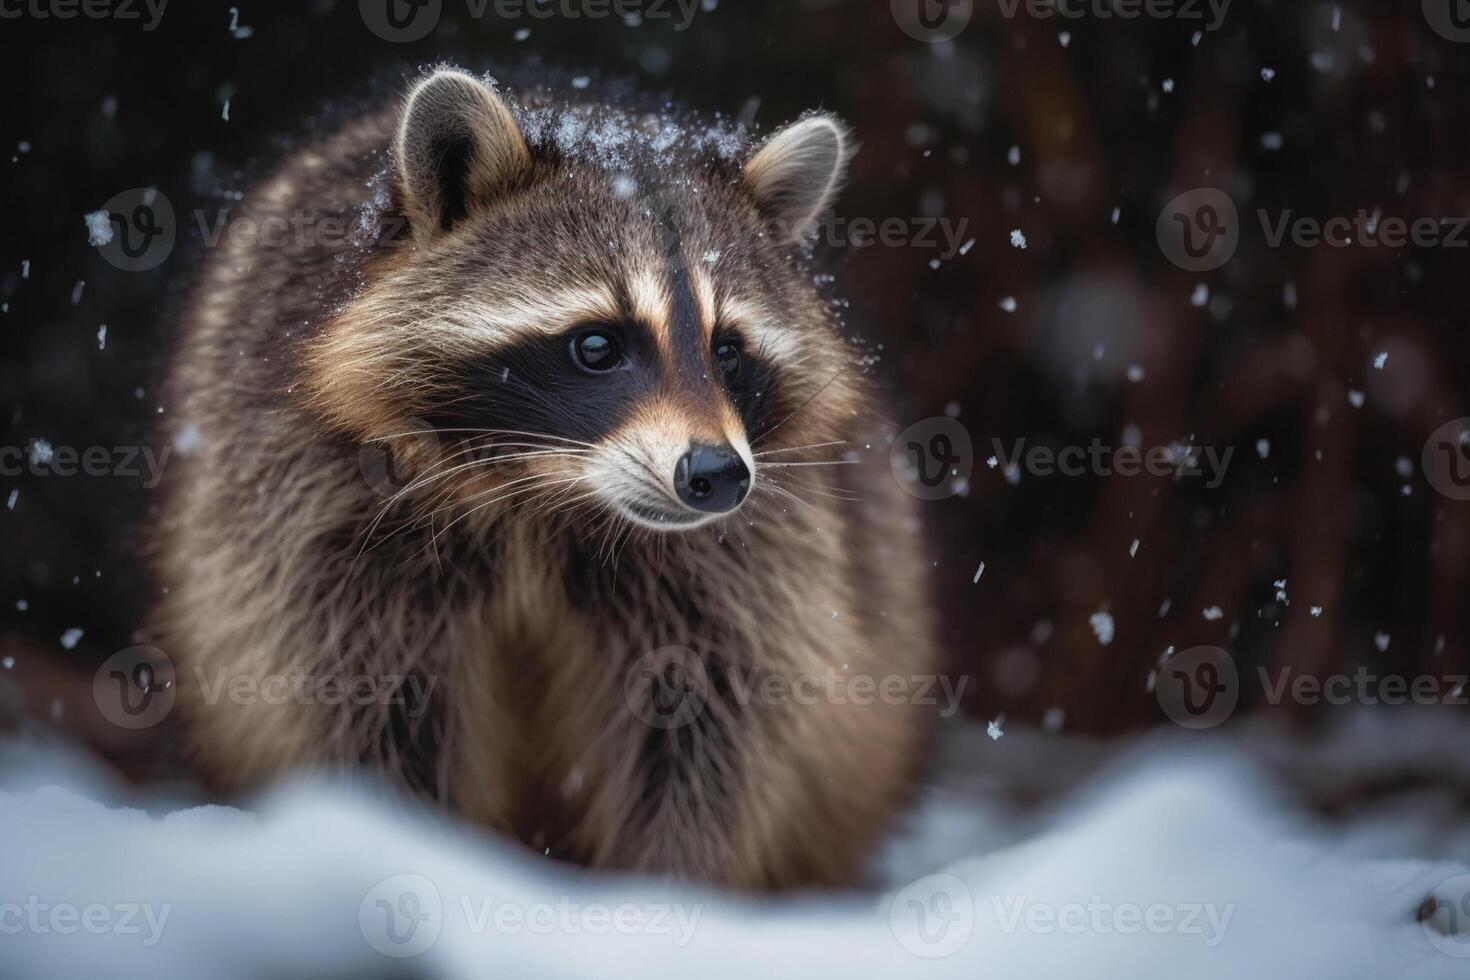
529, 612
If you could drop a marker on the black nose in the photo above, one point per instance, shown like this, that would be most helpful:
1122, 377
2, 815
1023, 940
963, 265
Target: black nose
711, 479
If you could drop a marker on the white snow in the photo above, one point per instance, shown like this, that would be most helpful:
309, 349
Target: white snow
1018, 238
1102, 627
189, 440
99, 227
1175, 854
41, 452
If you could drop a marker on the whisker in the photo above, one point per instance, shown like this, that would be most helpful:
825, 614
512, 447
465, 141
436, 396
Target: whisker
792, 449
482, 506
800, 408
823, 462
499, 432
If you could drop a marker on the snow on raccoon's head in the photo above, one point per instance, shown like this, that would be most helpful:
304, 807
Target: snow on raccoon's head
611, 306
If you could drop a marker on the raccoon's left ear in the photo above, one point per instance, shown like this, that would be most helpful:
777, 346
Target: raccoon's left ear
458, 146
797, 172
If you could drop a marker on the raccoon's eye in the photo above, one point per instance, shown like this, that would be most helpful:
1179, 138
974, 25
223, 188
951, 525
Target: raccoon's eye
596, 351
727, 359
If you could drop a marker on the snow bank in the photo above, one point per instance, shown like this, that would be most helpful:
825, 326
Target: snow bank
1033, 856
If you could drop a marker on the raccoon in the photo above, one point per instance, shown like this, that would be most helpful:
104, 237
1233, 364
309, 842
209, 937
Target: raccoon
553, 491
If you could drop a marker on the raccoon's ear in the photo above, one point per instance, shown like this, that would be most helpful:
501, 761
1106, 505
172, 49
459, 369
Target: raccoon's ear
457, 146
797, 172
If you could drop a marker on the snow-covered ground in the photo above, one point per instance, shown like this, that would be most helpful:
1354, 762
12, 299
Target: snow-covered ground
1031, 856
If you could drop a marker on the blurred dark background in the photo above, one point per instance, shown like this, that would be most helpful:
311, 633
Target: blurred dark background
1076, 132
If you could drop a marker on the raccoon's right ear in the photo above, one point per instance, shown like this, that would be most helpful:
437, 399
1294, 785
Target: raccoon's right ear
457, 147
797, 172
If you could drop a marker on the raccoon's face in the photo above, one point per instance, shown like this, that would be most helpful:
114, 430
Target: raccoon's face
621, 330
